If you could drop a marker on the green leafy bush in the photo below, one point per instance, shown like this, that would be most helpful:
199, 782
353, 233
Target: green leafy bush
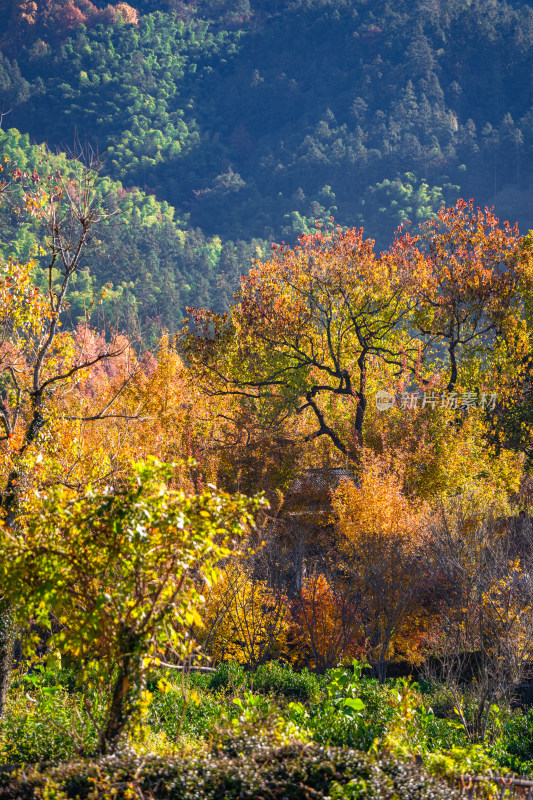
195, 720
229, 676
513, 750
235, 712
43, 720
282, 680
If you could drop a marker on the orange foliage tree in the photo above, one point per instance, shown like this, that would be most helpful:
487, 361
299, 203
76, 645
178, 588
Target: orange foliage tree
327, 625
329, 321
148, 405
382, 544
468, 293
308, 326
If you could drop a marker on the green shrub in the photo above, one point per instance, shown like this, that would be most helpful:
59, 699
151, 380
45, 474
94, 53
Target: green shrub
470, 760
513, 750
229, 676
279, 679
43, 721
238, 711
195, 721
390, 715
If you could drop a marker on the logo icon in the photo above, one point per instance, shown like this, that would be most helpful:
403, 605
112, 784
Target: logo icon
384, 400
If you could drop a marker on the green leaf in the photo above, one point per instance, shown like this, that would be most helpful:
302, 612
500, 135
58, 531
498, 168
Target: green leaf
354, 703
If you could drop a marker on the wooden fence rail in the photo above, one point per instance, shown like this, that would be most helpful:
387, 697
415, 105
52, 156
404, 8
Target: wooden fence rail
495, 787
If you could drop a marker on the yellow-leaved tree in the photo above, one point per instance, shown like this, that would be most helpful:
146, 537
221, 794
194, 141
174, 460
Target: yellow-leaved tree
245, 619
43, 367
383, 550
121, 573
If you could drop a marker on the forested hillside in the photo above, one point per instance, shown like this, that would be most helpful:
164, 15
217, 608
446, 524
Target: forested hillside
150, 264
255, 119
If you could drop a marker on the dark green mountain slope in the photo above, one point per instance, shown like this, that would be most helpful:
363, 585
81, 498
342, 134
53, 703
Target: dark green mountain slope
152, 264
254, 119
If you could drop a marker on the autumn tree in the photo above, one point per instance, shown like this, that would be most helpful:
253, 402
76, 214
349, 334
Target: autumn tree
122, 574
510, 422
156, 410
245, 620
327, 623
468, 296
40, 365
483, 558
383, 559
329, 319
310, 326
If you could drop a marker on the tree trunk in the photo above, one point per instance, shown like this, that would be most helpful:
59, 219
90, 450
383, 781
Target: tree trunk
127, 682
7, 620
9, 501
118, 716
7, 640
